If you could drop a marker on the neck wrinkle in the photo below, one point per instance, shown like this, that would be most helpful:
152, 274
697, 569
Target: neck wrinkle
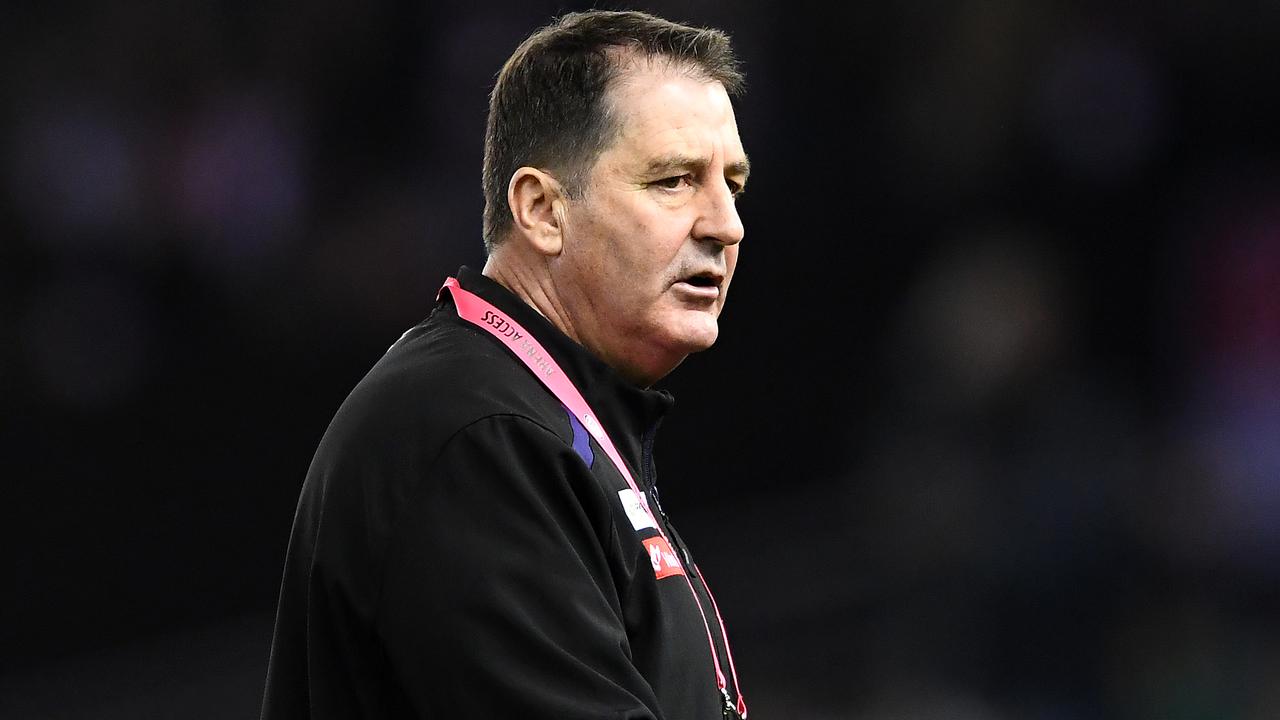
535, 289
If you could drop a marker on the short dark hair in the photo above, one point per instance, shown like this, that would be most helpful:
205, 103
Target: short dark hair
548, 108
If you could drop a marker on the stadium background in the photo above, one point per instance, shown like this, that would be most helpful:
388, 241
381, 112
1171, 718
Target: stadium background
992, 431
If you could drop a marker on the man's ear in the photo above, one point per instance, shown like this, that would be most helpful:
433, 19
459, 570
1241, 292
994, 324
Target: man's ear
537, 209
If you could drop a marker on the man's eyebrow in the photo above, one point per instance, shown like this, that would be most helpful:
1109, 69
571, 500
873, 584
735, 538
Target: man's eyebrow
669, 163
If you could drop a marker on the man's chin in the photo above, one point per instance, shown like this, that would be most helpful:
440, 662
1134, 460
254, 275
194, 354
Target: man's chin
696, 334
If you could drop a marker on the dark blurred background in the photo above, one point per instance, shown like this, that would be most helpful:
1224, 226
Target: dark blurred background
992, 430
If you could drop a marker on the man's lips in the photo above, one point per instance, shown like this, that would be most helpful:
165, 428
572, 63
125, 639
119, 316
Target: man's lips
705, 285
697, 291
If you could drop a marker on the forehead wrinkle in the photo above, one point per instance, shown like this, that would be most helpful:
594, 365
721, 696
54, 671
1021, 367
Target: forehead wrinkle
646, 119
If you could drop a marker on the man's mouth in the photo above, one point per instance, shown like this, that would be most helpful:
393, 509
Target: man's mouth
702, 280
703, 285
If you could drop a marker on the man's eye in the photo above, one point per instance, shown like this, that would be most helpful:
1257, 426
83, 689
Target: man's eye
673, 183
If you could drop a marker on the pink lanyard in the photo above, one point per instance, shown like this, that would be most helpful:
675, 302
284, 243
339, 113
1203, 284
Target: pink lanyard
481, 313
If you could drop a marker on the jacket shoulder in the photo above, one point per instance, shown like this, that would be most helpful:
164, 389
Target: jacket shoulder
441, 377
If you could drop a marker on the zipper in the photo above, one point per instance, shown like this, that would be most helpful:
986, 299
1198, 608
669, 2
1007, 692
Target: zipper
729, 708
651, 487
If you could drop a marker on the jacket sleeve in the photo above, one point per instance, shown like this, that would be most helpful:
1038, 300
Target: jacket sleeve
498, 599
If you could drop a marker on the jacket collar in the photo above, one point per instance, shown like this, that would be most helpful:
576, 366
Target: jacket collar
625, 410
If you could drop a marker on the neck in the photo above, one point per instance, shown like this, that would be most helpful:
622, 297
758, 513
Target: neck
530, 280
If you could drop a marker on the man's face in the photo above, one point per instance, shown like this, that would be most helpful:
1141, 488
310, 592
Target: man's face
650, 248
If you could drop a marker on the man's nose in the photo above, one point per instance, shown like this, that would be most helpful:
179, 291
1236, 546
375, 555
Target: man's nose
719, 221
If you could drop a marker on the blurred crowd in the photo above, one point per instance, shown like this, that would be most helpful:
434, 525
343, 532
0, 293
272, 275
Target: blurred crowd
992, 431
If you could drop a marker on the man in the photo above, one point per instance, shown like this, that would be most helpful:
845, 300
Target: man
479, 535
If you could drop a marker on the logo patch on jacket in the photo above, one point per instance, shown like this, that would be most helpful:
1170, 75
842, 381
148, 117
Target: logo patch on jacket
637, 511
664, 560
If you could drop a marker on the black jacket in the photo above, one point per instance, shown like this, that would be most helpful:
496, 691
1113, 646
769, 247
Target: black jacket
460, 548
